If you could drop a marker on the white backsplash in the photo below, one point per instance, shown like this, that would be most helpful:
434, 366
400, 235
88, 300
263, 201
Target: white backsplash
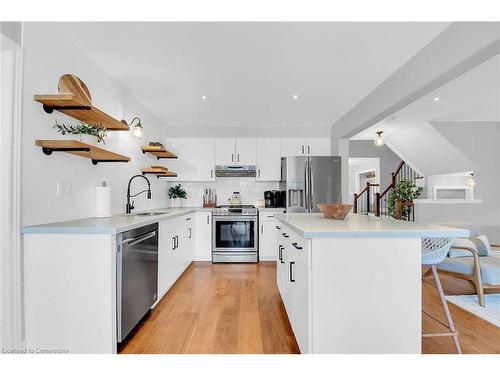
250, 190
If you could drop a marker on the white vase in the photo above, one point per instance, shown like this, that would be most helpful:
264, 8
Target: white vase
88, 139
176, 202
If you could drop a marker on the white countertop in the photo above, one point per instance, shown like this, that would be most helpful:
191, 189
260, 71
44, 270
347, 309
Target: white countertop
109, 225
355, 225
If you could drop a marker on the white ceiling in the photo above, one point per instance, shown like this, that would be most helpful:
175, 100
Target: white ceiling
250, 70
473, 96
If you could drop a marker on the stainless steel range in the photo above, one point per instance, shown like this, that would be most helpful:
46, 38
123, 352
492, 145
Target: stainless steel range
235, 234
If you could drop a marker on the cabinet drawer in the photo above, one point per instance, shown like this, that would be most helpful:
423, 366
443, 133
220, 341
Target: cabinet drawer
269, 215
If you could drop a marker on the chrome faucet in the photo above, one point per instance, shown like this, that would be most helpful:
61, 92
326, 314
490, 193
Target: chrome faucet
130, 206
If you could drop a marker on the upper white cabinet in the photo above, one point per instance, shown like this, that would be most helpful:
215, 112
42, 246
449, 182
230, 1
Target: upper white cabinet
200, 159
305, 147
318, 147
268, 159
246, 151
239, 151
225, 151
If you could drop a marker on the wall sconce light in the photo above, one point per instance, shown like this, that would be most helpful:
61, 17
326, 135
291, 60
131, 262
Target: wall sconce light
137, 130
470, 180
379, 140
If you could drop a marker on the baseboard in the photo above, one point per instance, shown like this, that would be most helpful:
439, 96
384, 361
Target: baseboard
268, 258
203, 258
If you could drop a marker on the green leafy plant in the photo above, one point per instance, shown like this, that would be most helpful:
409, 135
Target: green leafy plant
97, 131
404, 191
177, 192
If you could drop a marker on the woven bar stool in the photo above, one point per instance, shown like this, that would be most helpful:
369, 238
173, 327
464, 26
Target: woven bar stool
434, 250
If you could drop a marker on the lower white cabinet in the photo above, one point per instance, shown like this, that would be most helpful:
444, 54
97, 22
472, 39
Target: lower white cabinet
175, 250
268, 246
293, 266
203, 238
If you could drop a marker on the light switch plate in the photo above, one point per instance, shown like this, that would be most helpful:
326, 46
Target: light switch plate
64, 188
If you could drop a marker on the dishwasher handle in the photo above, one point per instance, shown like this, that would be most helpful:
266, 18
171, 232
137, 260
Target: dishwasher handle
135, 240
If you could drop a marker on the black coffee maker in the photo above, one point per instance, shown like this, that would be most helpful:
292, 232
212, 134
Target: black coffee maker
274, 198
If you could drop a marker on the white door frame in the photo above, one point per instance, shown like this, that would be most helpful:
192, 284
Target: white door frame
11, 333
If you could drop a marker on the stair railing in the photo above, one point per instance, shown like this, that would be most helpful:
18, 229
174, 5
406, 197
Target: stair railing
362, 201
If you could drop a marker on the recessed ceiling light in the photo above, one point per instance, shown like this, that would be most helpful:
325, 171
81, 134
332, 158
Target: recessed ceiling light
436, 99
204, 97
295, 96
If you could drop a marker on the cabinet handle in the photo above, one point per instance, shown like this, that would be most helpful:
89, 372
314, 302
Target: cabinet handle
176, 242
262, 228
278, 227
280, 249
292, 280
302, 149
190, 232
208, 219
238, 158
295, 245
259, 172
173, 243
188, 218
270, 215
211, 173
308, 149
285, 235
232, 158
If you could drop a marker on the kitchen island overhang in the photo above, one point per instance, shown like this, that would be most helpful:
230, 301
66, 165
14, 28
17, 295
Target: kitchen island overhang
361, 281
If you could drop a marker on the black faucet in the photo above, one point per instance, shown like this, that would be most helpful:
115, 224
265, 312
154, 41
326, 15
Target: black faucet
129, 207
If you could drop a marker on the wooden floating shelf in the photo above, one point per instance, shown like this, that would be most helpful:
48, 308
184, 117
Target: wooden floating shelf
96, 154
74, 100
159, 152
159, 171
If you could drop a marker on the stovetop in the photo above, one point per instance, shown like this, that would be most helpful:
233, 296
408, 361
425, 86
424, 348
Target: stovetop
236, 210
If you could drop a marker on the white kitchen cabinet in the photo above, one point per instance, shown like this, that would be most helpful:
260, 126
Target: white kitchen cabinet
268, 159
200, 159
225, 149
203, 238
318, 147
189, 241
305, 147
246, 149
293, 147
178, 147
281, 270
267, 240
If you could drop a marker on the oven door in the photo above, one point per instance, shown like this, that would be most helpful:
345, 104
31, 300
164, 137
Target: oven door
235, 234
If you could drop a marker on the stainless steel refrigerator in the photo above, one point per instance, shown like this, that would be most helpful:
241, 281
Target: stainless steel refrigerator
309, 180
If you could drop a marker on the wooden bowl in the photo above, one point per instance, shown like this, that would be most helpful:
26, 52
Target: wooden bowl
335, 211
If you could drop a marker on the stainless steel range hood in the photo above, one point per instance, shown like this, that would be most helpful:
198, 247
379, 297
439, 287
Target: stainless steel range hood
235, 171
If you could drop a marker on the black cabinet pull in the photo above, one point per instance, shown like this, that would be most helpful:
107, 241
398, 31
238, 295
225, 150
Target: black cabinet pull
285, 235
176, 241
173, 243
278, 228
190, 232
208, 219
295, 245
281, 253
292, 280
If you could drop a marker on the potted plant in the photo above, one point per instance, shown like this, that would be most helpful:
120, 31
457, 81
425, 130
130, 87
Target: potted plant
85, 133
176, 194
401, 198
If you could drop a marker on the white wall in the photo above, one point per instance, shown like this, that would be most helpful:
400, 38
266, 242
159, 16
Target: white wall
48, 54
250, 190
479, 141
362, 165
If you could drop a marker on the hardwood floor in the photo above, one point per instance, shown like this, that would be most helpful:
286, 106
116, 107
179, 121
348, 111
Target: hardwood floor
236, 308
218, 308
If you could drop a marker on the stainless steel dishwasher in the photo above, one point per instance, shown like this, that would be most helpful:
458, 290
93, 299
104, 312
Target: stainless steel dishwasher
136, 276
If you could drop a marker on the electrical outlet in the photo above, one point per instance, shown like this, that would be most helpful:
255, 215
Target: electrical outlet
64, 188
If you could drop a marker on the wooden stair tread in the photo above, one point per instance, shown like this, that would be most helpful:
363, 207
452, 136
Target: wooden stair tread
95, 153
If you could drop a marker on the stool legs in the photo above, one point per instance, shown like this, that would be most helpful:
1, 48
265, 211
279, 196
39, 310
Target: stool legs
453, 332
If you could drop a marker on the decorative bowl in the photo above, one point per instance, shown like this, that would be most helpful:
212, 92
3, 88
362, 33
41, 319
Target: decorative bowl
334, 211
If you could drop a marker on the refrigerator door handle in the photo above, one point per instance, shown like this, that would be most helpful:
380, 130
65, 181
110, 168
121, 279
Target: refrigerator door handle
306, 185
310, 187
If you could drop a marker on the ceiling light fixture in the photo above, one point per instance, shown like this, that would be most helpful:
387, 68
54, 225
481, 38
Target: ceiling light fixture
295, 96
204, 97
379, 140
436, 99
137, 130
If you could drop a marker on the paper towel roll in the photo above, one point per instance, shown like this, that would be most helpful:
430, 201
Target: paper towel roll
103, 201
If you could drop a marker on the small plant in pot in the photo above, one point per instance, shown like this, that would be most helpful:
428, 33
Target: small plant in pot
401, 198
176, 194
90, 134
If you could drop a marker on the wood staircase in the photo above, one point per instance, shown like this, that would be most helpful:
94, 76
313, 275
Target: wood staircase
370, 201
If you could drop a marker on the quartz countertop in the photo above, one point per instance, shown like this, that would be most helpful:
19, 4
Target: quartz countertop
355, 225
109, 225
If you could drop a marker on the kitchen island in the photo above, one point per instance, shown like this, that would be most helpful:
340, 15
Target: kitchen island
354, 285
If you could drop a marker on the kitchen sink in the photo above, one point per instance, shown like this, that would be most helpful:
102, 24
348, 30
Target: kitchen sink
152, 213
